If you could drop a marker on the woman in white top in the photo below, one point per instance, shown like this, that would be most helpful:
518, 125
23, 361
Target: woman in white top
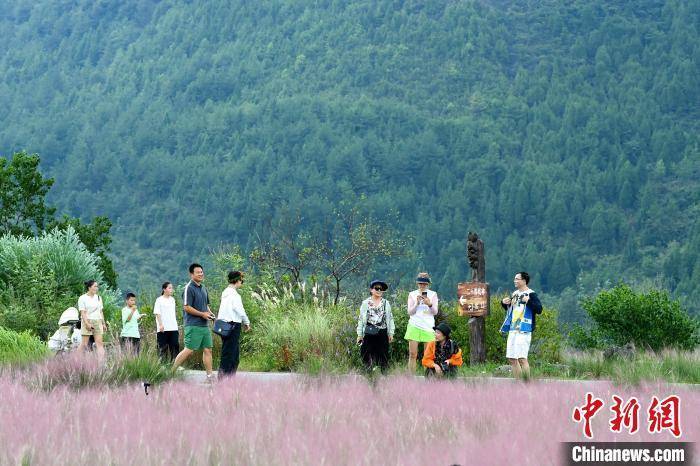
92, 318
422, 309
231, 310
166, 323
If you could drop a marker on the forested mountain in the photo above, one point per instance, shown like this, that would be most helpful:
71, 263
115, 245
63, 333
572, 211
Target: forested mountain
564, 132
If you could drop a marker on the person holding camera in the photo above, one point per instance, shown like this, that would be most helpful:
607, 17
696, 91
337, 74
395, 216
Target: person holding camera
375, 327
422, 309
231, 311
522, 306
196, 316
442, 356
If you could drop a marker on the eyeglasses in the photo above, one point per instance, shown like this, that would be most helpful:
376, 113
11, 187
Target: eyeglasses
378, 288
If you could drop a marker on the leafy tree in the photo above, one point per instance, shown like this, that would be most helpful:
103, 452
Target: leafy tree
96, 238
23, 211
22, 192
354, 245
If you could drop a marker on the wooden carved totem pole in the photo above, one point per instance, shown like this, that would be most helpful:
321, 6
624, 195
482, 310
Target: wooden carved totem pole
474, 299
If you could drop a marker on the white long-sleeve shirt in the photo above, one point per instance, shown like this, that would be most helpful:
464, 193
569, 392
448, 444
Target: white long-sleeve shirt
231, 307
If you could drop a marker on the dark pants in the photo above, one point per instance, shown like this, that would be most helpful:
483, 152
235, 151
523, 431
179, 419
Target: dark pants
131, 344
230, 351
375, 350
168, 344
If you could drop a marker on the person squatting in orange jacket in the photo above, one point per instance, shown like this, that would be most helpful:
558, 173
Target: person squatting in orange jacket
441, 357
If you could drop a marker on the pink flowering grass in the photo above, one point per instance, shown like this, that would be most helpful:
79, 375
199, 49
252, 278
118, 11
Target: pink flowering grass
313, 421
77, 371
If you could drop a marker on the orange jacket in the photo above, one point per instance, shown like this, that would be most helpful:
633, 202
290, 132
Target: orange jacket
429, 356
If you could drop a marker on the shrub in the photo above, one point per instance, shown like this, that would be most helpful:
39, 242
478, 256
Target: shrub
19, 348
671, 366
296, 336
649, 320
40, 277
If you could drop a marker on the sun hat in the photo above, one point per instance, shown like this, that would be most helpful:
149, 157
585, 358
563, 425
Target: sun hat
379, 282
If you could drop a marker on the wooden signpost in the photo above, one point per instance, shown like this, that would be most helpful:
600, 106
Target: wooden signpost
474, 298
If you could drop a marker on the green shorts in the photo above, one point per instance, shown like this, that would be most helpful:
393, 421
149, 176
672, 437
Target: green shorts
197, 338
417, 334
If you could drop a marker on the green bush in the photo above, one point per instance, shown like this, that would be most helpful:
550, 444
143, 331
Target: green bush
650, 320
40, 277
19, 348
296, 336
398, 350
671, 366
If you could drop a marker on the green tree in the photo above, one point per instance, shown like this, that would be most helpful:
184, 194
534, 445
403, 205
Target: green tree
97, 239
354, 245
23, 210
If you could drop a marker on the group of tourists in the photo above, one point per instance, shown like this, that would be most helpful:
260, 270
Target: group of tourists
375, 331
196, 318
375, 325
441, 354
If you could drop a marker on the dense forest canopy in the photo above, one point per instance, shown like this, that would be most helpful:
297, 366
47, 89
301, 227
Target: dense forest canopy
564, 132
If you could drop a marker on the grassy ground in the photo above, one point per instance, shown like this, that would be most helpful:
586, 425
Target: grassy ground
669, 366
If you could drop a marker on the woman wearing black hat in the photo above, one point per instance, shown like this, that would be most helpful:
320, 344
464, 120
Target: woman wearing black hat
375, 327
442, 356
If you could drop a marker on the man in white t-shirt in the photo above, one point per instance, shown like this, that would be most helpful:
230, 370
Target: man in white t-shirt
167, 334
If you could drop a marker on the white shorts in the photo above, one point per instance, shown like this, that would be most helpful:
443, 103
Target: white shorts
518, 345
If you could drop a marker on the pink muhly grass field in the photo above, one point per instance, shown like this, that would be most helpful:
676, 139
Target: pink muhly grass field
401, 421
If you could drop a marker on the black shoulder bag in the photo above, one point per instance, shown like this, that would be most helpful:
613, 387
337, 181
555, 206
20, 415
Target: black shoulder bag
223, 328
371, 329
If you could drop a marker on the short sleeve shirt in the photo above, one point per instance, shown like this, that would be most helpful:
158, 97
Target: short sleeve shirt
130, 328
165, 308
195, 296
93, 306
